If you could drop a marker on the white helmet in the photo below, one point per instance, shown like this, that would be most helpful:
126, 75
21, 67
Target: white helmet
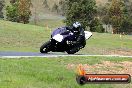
76, 24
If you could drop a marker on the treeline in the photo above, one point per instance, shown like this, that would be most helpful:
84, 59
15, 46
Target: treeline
115, 13
19, 11
118, 14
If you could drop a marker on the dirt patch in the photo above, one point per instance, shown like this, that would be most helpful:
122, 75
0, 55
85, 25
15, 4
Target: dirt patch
106, 67
121, 52
107, 51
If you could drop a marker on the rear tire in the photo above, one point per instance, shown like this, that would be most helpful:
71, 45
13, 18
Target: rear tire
73, 51
45, 47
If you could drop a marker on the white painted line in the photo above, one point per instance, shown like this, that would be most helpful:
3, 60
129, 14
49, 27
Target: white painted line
66, 56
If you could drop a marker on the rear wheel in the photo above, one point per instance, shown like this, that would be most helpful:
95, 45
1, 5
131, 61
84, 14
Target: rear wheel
45, 47
73, 51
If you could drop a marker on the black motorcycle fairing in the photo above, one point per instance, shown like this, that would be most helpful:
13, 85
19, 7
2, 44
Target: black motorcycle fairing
67, 44
58, 46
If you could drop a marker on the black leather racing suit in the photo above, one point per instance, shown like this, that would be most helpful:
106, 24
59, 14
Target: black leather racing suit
80, 35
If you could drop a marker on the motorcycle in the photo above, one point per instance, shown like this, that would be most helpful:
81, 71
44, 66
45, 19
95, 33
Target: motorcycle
62, 42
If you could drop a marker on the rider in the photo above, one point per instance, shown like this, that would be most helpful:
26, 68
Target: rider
78, 31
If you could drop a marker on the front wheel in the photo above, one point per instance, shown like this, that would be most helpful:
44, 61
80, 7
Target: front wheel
45, 47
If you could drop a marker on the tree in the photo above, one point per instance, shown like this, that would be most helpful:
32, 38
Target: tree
12, 11
116, 15
82, 11
129, 8
127, 22
24, 10
1, 7
126, 26
96, 26
19, 11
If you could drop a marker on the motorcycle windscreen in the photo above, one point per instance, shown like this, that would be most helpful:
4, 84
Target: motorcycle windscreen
87, 34
62, 31
58, 31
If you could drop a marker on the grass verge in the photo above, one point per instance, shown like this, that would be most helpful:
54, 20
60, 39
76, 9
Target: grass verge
50, 72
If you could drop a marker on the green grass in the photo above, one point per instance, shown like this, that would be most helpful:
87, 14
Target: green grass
49, 72
28, 38
22, 37
105, 42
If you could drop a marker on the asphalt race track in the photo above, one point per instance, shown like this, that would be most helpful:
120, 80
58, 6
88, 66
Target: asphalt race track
13, 54
27, 54
21, 54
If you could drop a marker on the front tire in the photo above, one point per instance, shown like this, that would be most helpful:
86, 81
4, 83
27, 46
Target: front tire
45, 47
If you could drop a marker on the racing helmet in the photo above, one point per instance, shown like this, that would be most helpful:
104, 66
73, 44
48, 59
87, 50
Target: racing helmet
76, 25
